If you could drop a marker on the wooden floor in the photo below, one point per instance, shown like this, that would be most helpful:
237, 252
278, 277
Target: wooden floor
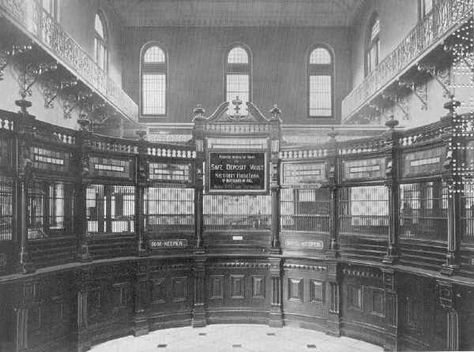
236, 338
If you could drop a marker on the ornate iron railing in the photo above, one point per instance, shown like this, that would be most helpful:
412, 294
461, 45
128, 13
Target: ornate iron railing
37, 22
448, 15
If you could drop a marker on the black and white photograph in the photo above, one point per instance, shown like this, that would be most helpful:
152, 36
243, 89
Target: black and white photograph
236, 175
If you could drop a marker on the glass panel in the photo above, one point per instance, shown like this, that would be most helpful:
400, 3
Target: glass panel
320, 56
169, 209
56, 206
238, 56
122, 208
237, 86
154, 54
222, 212
375, 30
320, 95
95, 207
6, 208
467, 216
36, 200
423, 210
304, 210
364, 210
154, 94
99, 27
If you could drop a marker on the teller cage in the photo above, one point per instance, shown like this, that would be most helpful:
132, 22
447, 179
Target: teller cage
102, 237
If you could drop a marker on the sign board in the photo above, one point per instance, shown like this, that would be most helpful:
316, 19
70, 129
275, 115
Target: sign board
237, 172
166, 244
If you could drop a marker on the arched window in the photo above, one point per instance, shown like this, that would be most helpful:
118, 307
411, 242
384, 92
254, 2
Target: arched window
51, 7
100, 42
237, 78
321, 74
425, 7
372, 53
153, 81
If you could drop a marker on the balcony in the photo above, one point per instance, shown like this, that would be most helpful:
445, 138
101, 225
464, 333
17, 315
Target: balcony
35, 22
439, 24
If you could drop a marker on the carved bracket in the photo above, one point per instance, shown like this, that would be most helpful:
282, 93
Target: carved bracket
442, 77
446, 295
397, 101
30, 74
7, 54
419, 91
52, 89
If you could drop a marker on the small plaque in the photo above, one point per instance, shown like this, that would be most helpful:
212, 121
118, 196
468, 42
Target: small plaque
303, 173
424, 162
237, 238
364, 169
306, 244
165, 244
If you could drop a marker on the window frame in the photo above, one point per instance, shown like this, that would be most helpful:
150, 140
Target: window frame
103, 41
320, 70
239, 69
157, 68
422, 13
372, 43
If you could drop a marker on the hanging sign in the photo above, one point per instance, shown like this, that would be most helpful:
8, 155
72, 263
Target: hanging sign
241, 172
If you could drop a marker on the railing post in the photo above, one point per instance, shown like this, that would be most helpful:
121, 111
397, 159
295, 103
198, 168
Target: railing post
142, 291
81, 192
453, 180
198, 139
276, 308
199, 273
82, 280
333, 193
24, 175
333, 324
391, 309
446, 296
392, 183
141, 182
275, 187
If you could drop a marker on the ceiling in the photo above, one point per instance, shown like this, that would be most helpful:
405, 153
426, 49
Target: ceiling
236, 13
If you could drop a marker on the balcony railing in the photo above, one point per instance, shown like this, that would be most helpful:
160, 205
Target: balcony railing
38, 23
444, 18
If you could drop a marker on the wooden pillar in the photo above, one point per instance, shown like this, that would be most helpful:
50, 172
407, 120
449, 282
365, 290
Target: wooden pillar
80, 206
391, 310
83, 278
141, 298
199, 272
198, 217
276, 308
392, 184
275, 225
24, 175
333, 194
446, 297
140, 185
453, 180
333, 323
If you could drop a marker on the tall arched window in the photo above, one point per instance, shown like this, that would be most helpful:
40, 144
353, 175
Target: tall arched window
51, 7
321, 74
100, 42
372, 53
153, 81
425, 7
237, 78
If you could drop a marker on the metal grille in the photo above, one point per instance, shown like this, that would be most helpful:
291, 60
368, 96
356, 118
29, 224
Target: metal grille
304, 210
110, 209
222, 212
364, 210
6, 208
423, 210
169, 209
467, 216
36, 210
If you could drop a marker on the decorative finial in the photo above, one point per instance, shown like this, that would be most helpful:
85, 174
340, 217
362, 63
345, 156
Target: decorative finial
237, 102
198, 112
275, 111
141, 134
83, 122
333, 134
451, 105
391, 123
